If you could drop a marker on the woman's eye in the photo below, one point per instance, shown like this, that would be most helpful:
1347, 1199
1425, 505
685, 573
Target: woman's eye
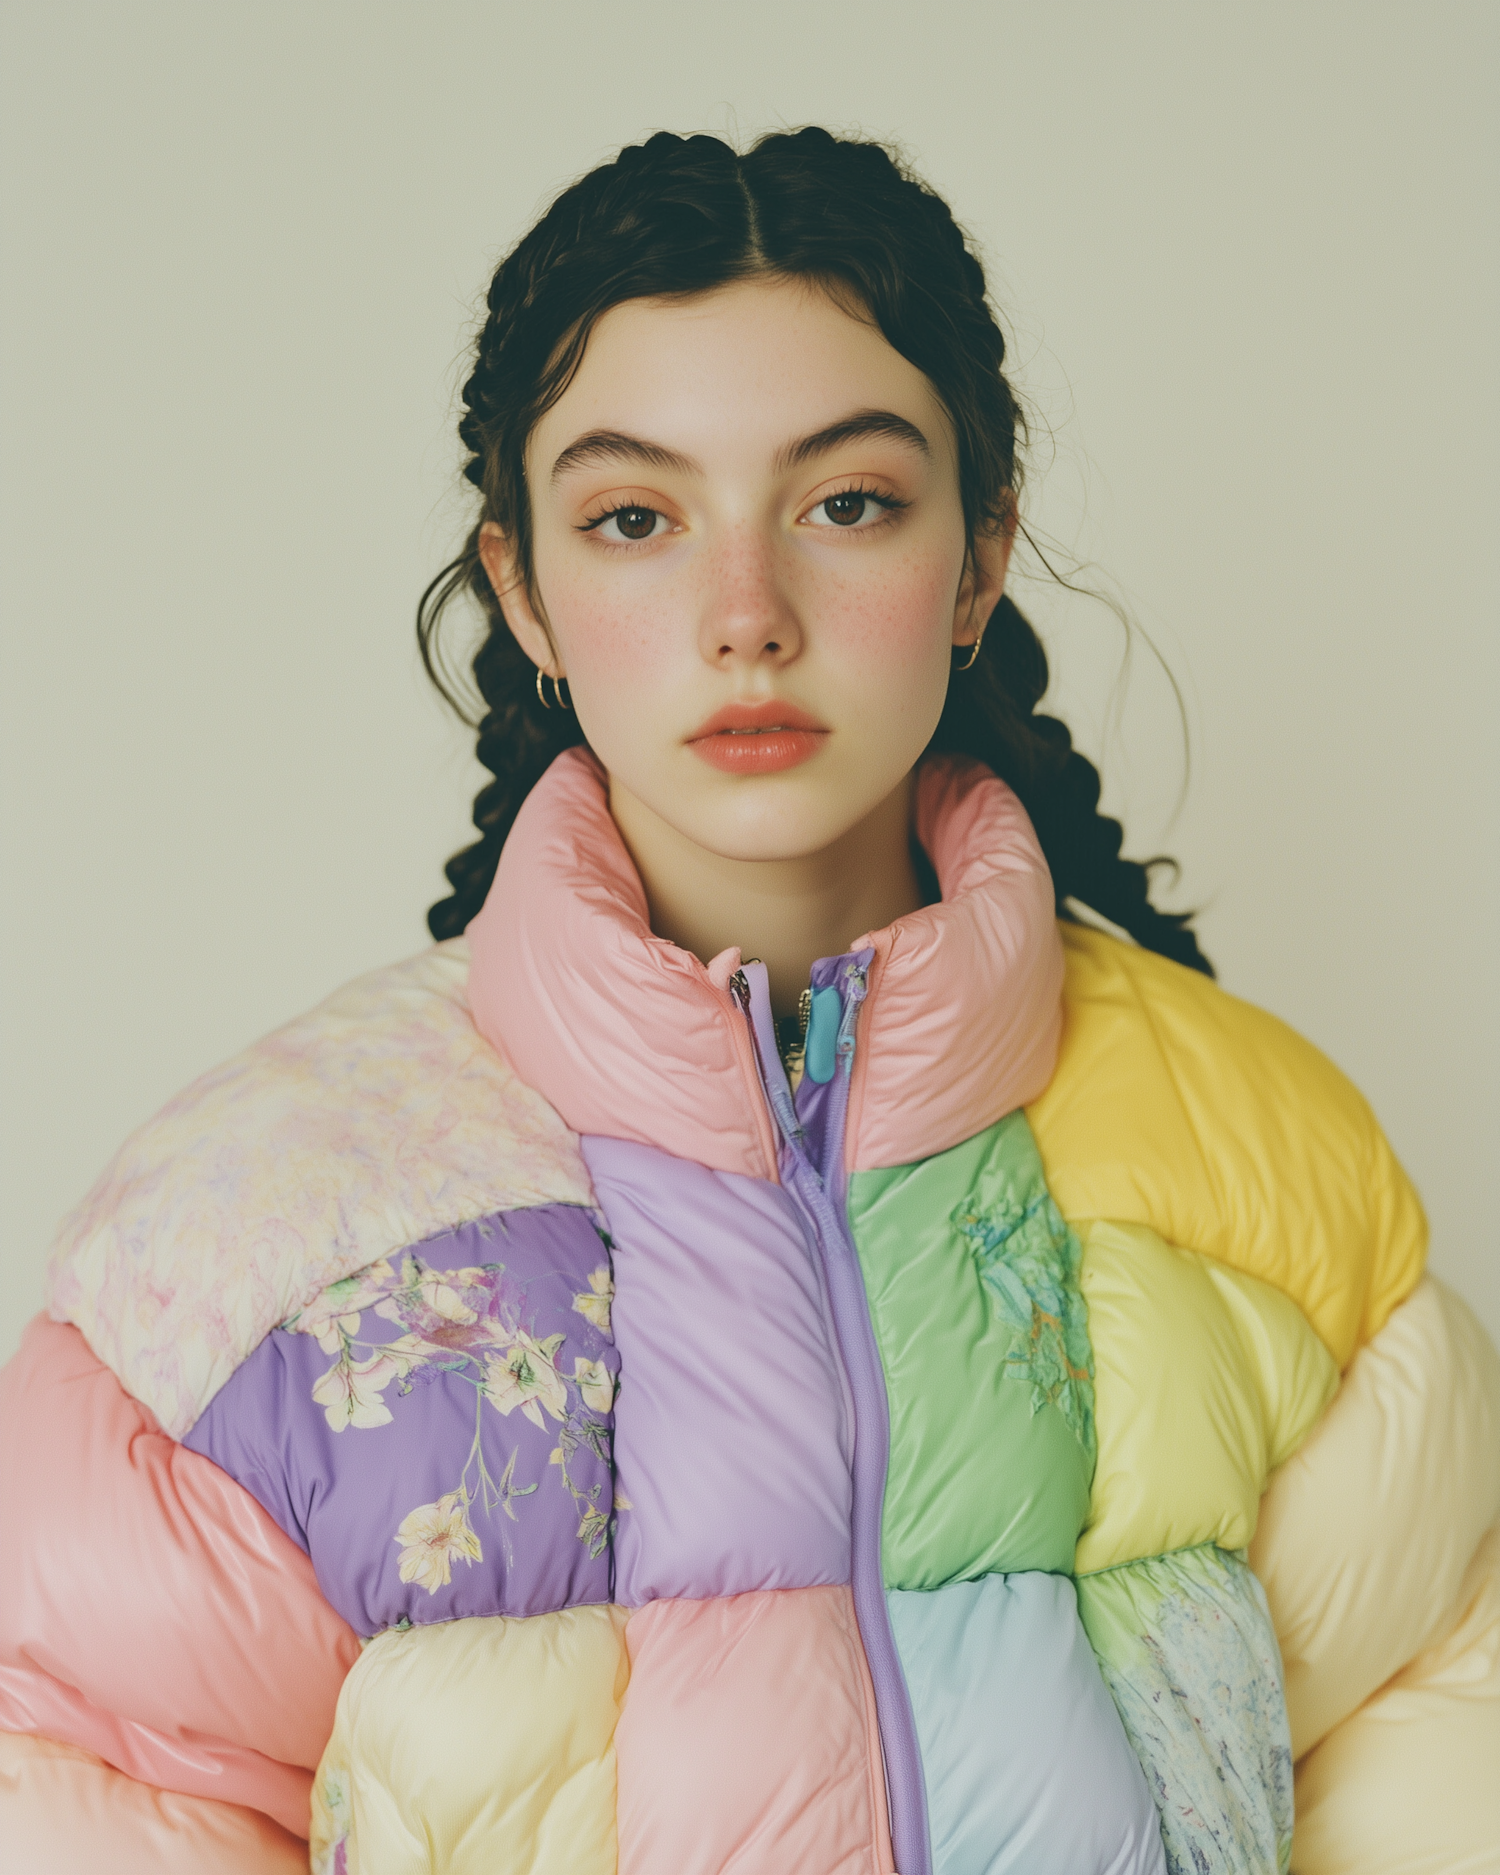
851, 509
629, 524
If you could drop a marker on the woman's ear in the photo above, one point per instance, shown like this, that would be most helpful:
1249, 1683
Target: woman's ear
527, 628
984, 578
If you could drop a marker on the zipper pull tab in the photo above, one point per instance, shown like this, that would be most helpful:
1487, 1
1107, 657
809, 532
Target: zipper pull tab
823, 1034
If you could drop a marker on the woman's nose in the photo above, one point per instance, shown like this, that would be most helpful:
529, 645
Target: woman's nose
748, 614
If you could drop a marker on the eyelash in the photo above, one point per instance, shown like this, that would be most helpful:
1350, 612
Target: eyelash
624, 507
892, 504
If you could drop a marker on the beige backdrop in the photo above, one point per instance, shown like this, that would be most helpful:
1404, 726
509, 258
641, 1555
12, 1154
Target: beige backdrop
1247, 253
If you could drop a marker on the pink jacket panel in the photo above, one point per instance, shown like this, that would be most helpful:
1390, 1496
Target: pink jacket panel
631, 1038
32, 1701
65, 1812
147, 1580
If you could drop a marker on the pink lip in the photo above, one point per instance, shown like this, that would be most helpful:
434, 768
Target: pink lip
758, 738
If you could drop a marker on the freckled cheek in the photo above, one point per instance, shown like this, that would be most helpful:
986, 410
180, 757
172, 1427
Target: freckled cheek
905, 617
607, 639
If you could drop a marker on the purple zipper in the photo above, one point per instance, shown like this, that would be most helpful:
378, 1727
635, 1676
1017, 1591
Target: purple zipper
808, 1175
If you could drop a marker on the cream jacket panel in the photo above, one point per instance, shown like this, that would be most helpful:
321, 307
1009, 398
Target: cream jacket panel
1410, 1785
1366, 1534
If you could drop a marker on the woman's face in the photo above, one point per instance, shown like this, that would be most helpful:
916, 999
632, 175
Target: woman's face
749, 561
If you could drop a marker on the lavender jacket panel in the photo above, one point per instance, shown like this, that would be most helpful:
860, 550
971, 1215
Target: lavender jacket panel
732, 1447
435, 1430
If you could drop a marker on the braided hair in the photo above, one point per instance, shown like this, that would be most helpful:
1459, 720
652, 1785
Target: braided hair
676, 216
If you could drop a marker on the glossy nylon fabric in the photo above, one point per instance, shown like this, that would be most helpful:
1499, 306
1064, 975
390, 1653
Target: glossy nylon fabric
182, 1629
733, 1439
972, 1278
181, 1760
1352, 1245
64, 1809
1197, 1382
732, 1448
631, 1038
1177, 1106
748, 1738
1407, 1782
459, 1395
467, 1745
993, 1666
1365, 1536
1206, 1381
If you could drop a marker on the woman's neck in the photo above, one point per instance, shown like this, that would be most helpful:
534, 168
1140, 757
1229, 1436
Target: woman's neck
786, 912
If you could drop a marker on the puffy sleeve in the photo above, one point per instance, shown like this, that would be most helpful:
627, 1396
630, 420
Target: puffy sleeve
168, 1666
1178, 1110
171, 1660
1380, 1554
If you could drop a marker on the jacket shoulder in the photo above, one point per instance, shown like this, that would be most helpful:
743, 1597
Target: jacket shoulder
372, 1122
1177, 1106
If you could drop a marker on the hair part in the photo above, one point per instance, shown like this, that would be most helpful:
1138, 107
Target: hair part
676, 217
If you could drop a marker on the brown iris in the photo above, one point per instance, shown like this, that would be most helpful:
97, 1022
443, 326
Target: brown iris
845, 510
635, 523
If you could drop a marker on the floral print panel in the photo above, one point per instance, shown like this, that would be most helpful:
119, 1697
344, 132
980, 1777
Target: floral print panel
435, 1429
265, 1181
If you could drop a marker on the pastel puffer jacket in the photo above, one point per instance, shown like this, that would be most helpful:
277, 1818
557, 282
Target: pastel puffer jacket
495, 1424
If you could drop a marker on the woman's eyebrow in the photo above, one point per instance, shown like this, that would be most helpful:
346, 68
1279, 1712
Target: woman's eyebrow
616, 446
864, 423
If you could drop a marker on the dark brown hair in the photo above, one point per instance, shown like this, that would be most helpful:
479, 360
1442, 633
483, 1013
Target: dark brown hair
676, 216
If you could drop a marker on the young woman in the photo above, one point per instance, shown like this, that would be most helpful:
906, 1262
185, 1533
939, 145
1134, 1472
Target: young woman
762, 1351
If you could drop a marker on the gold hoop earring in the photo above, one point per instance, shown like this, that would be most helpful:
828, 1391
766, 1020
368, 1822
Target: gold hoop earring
558, 700
968, 663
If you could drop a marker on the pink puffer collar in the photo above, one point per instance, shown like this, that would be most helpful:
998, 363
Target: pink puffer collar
630, 1037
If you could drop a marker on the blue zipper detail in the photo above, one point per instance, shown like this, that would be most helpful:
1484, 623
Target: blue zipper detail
827, 1217
825, 1022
